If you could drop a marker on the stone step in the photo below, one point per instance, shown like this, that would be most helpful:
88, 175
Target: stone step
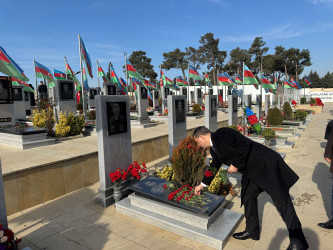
216, 236
188, 217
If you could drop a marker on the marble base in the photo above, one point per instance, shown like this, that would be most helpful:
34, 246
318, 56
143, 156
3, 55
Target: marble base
142, 124
215, 236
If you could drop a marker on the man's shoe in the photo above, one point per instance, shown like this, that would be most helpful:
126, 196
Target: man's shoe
327, 225
297, 247
246, 235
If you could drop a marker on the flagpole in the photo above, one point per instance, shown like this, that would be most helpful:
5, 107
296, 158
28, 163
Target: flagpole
188, 87
97, 76
129, 86
36, 84
243, 101
82, 85
65, 67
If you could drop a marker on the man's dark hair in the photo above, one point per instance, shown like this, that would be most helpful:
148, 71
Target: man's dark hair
202, 130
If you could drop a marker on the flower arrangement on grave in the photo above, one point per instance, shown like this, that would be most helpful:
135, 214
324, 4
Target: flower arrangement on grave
136, 171
185, 194
150, 109
7, 239
319, 102
165, 113
252, 120
263, 121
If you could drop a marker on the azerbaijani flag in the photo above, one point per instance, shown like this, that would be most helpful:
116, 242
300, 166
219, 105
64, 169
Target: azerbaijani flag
238, 79
148, 83
135, 82
180, 81
249, 78
9, 67
207, 80
223, 80
70, 72
131, 72
101, 73
175, 87
266, 84
193, 73
286, 84
85, 56
43, 72
296, 84
307, 80
18, 82
123, 82
85, 79
230, 79
196, 83
116, 80
59, 75
166, 81
150, 95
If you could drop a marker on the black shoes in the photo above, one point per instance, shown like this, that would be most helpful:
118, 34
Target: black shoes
246, 235
297, 247
327, 225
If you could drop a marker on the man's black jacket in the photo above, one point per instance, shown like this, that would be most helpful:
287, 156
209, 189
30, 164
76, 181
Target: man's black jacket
254, 161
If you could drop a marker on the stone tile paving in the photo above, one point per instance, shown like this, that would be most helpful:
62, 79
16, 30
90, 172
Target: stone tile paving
74, 221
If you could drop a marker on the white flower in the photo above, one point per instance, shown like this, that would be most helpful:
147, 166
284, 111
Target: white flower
3, 239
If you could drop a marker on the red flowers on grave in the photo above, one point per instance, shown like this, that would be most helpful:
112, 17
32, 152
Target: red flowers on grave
120, 175
208, 174
7, 239
184, 194
189, 146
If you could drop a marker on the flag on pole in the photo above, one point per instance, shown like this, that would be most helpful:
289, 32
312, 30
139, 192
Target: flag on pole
85, 79
85, 56
207, 81
165, 80
131, 72
102, 74
223, 80
286, 84
238, 79
196, 83
249, 78
59, 75
296, 84
175, 87
9, 67
43, 72
147, 83
307, 80
116, 80
18, 82
180, 81
70, 72
193, 73
266, 84
230, 79
150, 95
153, 85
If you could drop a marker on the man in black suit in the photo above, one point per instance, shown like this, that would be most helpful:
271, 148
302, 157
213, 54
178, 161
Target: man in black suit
262, 169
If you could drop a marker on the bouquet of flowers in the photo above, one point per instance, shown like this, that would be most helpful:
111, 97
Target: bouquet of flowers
165, 112
7, 239
150, 109
253, 120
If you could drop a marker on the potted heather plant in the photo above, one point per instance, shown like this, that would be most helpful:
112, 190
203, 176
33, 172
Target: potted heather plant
268, 134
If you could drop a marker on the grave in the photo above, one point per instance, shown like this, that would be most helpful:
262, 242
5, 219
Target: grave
183, 91
19, 104
165, 92
209, 223
27, 103
91, 98
198, 96
258, 106
114, 141
64, 94
248, 101
267, 103
176, 121
211, 112
110, 89
156, 102
210, 91
192, 97
3, 211
232, 110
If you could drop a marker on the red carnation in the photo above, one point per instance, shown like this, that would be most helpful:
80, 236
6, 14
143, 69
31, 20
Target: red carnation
208, 173
189, 146
165, 186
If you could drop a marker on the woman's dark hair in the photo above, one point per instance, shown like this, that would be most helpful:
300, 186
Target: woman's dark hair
202, 130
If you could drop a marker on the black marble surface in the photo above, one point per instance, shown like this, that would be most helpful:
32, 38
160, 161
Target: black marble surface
152, 187
22, 131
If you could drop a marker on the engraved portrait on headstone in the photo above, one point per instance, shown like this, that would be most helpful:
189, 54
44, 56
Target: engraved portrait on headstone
234, 104
211, 91
213, 111
93, 92
184, 91
199, 93
6, 94
166, 92
66, 91
156, 94
143, 93
111, 90
116, 115
17, 94
26, 96
180, 111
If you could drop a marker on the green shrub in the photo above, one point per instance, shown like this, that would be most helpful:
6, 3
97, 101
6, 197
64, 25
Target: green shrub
274, 117
43, 104
300, 115
62, 129
188, 162
303, 100
268, 133
44, 119
79, 106
76, 124
92, 115
287, 111
196, 108
313, 101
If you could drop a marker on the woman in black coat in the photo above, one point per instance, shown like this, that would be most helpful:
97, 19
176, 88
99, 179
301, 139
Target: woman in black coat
262, 169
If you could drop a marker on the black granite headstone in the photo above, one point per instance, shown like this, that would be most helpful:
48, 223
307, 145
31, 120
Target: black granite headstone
152, 188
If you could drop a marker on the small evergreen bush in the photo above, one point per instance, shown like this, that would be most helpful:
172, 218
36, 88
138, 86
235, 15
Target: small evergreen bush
76, 124
268, 133
196, 108
287, 111
92, 115
274, 117
300, 115
44, 119
303, 100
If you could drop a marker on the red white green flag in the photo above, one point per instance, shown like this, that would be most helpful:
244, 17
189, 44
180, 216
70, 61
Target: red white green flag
166, 81
131, 72
9, 67
70, 72
193, 73
223, 80
18, 82
266, 84
102, 74
44, 73
249, 78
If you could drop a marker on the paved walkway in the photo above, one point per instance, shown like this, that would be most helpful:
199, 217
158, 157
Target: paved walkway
74, 221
